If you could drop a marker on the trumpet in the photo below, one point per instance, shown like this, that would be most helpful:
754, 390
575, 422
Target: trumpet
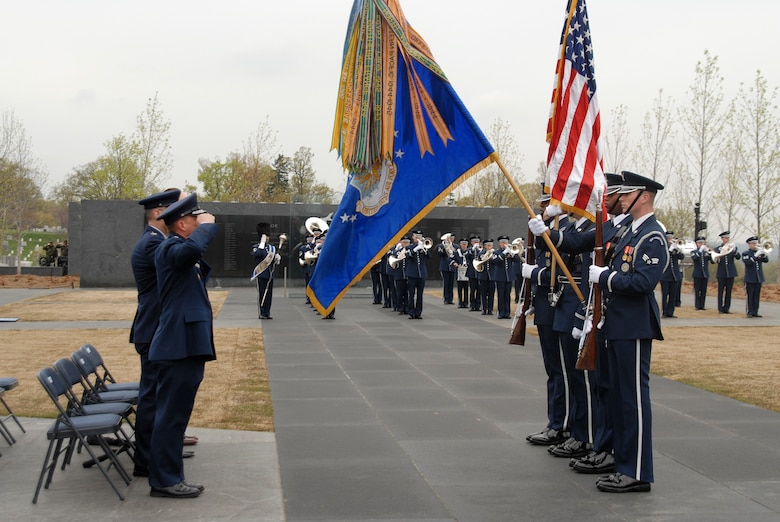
724, 251
517, 246
427, 243
677, 245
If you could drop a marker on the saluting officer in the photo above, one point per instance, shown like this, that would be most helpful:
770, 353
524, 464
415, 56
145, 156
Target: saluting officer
702, 259
632, 321
754, 259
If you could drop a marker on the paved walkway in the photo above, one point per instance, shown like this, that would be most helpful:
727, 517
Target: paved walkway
382, 418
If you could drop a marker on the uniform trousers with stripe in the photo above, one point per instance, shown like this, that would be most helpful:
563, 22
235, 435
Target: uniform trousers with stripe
557, 389
629, 405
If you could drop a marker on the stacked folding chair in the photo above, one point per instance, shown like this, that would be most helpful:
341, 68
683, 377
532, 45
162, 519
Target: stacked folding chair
72, 426
8, 384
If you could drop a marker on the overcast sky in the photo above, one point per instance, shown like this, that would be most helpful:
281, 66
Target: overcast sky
77, 73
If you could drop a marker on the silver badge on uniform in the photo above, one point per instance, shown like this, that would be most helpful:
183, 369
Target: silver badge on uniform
625, 267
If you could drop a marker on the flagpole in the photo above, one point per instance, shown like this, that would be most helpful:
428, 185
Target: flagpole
546, 235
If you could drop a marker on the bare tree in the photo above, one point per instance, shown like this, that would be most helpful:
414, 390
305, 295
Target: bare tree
703, 123
759, 135
617, 141
21, 179
490, 187
302, 174
153, 148
655, 155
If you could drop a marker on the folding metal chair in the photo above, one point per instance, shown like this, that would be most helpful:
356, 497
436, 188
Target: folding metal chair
70, 369
77, 428
99, 372
8, 384
4, 431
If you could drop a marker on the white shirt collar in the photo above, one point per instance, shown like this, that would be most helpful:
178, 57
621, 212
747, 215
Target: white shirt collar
638, 222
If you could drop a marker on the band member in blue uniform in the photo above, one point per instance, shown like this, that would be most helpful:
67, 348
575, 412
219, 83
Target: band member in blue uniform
754, 259
145, 321
416, 273
446, 251
460, 263
502, 272
701, 258
727, 256
376, 281
670, 279
400, 253
388, 282
631, 322
183, 342
263, 251
539, 276
487, 287
306, 267
475, 301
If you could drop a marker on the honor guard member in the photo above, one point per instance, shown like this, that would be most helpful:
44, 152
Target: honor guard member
416, 273
754, 259
460, 263
183, 342
567, 305
670, 279
306, 267
475, 301
388, 282
631, 322
727, 256
600, 459
539, 276
701, 257
400, 255
446, 251
145, 322
502, 271
265, 280
487, 287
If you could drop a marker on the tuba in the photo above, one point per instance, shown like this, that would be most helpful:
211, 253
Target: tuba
315, 222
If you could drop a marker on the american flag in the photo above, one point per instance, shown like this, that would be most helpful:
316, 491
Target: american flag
575, 175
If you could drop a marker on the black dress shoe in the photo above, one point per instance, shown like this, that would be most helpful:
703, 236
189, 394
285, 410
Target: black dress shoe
572, 448
199, 487
180, 490
594, 463
619, 483
266, 317
549, 437
757, 315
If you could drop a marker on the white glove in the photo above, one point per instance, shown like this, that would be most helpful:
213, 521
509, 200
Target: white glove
278, 258
418, 248
553, 210
594, 273
530, 311
528, 270
536, 226
586, 328
703, 248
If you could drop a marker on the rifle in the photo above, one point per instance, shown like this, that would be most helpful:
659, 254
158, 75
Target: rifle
518, 329
586, 359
